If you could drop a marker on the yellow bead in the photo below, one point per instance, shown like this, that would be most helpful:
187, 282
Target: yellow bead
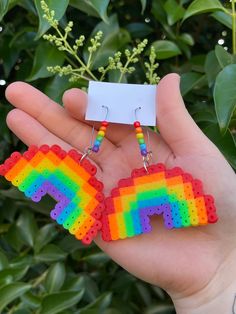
101, 133
139, 135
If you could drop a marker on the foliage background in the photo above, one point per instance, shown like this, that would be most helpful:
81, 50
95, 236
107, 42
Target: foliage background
43, 269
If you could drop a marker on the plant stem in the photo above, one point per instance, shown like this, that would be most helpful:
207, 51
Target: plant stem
126, 66
233, 27
71, 51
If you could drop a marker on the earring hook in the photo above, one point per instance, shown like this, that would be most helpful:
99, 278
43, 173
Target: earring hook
106, 112
135, 112
89, 150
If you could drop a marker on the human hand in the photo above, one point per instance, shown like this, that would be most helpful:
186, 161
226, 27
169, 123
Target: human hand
193, 265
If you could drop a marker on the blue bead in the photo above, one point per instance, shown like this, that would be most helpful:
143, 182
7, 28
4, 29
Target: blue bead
143, 146
97, 143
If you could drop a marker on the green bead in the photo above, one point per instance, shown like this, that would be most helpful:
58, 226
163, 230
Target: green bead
141, 141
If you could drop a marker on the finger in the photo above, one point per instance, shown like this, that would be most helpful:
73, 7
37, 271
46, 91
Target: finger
75, 102
30, 131
54, 118
176, 125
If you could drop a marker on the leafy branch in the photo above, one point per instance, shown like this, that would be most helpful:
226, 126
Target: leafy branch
123, 62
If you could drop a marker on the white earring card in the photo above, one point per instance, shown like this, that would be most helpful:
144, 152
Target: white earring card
121, 100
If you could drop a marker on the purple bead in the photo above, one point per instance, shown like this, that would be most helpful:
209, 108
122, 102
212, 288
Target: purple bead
95, 148
144, 152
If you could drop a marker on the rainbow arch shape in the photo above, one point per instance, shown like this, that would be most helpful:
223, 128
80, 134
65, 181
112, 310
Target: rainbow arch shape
67, 179
172, 193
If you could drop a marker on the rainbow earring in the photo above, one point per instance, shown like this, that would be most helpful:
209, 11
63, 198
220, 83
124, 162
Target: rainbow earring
68, 177
155, 190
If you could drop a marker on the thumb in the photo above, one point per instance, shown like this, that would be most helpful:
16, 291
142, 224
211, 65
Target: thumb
175, 124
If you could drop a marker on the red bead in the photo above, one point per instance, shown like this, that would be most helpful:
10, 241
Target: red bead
99, 197
16, 156
56, 149
136, 124
105, 123
44, 149
3, 170
73, 153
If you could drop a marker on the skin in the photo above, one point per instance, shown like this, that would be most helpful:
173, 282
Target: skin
194, 265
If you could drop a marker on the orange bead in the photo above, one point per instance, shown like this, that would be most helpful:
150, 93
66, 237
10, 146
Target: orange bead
138, 130
103, 128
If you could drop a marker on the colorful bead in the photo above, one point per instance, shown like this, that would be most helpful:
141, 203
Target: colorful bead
143, 146
171, 193
136, 124
141, 141
139, 135
144, 152
140, 138
138, 130
95, 148
105, 123
51, 170
100, 136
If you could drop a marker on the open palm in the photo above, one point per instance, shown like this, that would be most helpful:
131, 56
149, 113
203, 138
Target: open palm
182, 261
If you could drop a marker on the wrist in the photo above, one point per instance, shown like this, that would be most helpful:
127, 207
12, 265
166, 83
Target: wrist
218, 296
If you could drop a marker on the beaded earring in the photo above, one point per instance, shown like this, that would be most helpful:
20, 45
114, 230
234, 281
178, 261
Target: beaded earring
68, 177
101, 132
155, 190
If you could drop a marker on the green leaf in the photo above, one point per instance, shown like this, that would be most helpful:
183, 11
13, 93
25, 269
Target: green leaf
160, 309
174, 11
202, 112
165, 49
224, 57
96, 8
3, 260
138, 30
8, 55
159, 12
31, 300
224, 142
15, 273
223, 18
100, 304
3, 8
45, 235
225, 95
212, 67
56, 87
57, 302
202, 6
13, 239
144, 4
189, 81
186, 38
55, 277
27, 227
23, 39
12, 292
59, 7
45, 55
97, 258
50, 253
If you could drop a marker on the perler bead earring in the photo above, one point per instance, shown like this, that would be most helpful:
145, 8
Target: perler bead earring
155, 190
67, 179
101, 132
